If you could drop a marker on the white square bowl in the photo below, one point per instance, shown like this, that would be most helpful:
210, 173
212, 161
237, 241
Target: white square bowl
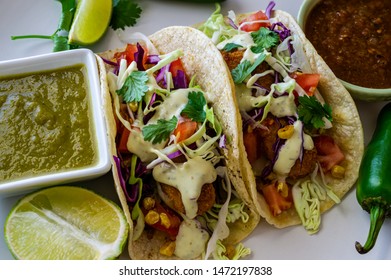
53, 61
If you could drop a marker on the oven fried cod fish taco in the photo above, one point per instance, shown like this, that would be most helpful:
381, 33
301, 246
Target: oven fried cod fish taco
173, 122
303, 138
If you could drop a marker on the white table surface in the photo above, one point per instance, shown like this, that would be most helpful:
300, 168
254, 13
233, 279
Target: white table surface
341, 226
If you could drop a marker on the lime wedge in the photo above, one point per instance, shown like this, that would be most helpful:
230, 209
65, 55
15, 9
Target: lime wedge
65, 222
92, 17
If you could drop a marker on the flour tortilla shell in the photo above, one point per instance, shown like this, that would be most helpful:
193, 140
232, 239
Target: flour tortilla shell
347, 131
201, 58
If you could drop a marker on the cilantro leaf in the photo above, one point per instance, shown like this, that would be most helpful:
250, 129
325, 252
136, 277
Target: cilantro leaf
195, 107
231, 46
311, 112
125, 13
156, 133
134, 87
264, 38
244, 69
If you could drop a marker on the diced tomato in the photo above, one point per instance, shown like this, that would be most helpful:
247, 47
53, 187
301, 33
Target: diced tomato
175, 66
251, 145
260, 15
123, 141
277, 203
129, 54
329, 153
185, 129
307, 81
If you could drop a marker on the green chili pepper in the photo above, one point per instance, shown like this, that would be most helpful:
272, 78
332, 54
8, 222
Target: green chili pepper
374, 183
60, 36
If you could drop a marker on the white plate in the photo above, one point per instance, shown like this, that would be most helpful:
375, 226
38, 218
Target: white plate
341, 226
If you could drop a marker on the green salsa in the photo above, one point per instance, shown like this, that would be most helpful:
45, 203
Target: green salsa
45, 123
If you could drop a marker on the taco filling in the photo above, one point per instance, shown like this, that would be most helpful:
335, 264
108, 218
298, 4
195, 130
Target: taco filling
287, 126
168, 156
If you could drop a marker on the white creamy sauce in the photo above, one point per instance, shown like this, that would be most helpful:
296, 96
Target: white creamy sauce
283, 106
188, 178
290, 152
250, 55
172, 106
143, 149
191, 240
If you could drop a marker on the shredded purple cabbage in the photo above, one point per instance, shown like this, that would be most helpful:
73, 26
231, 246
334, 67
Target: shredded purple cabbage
153, 59
161, 76
112, 63
153, 99
180, 80
269, 9
132, 197
175, 154
232, 23
138, 57
223, 142
282, 33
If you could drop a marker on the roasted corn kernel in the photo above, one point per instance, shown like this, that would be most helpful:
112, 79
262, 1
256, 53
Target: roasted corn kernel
165, 220
148, 203
168, 248
152, 217
283, 189
338, 171
286, 132
133, 106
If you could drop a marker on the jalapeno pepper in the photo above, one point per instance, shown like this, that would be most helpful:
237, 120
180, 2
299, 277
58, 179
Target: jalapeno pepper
374, 182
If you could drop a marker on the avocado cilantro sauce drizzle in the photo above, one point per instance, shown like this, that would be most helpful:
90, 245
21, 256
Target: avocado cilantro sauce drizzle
151, 106
283, 52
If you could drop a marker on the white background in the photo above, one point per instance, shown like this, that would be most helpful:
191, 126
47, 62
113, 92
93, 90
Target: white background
341, 226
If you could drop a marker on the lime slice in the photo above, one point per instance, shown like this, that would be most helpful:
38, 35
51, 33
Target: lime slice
65, 222
92, 17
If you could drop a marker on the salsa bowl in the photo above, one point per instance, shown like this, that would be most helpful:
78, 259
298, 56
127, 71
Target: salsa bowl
356, 41
52, 128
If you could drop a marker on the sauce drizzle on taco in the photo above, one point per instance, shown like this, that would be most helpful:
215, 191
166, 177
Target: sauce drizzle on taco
292, 142
168, 158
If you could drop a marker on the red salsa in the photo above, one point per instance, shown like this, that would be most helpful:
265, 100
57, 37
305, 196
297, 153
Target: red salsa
354, 38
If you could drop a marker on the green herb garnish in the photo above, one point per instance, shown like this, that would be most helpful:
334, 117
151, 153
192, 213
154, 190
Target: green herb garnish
134, 87
125, 14
231, 46
312, 112
264, 38
195, 107
244, 69
156, 133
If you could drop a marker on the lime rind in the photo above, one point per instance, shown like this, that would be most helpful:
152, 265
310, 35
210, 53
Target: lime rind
91, 20
38, 227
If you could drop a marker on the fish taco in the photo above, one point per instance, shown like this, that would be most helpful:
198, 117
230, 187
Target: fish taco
302, 134
173, 121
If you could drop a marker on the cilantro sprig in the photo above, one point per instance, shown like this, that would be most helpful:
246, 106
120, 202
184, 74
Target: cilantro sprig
244, 69
134, 87
264, 38
125, 13
156, 133
311, 112
195, 107
231, 46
